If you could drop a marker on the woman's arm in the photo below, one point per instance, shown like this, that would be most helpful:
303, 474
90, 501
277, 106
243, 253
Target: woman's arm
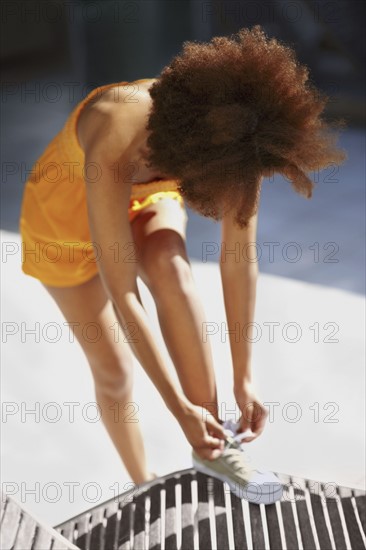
108, 198
239, 273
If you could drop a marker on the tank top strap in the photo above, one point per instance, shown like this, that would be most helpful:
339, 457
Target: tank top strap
69, 142
94, 95
99, 90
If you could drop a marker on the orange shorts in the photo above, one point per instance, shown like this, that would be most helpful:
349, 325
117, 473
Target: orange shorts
54, 226
71, 261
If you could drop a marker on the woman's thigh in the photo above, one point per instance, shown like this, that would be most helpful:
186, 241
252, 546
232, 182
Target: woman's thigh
166, 213
90, 313
159, 233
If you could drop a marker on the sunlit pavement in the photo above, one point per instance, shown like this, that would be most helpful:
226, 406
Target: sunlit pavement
309, 374
312, 288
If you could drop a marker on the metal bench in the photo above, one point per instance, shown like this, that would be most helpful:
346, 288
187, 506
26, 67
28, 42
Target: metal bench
20, 530
188, 510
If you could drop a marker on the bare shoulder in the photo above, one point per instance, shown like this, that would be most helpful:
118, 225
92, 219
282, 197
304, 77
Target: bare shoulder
127, 94
111, 122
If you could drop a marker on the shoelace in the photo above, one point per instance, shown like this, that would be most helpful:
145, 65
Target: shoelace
235, 457
232, 442
235, 441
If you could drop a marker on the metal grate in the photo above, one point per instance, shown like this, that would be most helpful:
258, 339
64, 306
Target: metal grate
188, 510
19, 530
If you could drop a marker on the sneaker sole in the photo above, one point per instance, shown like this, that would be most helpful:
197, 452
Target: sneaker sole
255, 497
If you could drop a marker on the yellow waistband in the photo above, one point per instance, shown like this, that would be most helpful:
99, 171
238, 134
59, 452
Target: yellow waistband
154, 197
140, 190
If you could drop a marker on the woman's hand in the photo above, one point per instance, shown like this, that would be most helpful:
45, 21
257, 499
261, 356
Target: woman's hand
254, 414
203, 432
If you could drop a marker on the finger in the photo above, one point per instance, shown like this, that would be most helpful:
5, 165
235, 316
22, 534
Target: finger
246, 433
254, 413
246, 420
249, 439
256, 432
258, 428
209, 454
243, 425
213, 442
214, 427
258, 425
245, 437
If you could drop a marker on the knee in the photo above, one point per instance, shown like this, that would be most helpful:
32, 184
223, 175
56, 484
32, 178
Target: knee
166, 265
112, 378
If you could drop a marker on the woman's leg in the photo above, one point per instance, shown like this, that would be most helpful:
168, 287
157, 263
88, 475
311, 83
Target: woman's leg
111, 366
159, 233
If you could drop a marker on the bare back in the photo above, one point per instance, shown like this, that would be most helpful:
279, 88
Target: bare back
116, 123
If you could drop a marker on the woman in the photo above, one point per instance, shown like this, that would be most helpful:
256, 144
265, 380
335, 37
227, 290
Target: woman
219, 118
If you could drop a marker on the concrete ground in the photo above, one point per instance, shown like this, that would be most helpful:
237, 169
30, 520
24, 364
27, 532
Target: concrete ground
312, 287
310, 375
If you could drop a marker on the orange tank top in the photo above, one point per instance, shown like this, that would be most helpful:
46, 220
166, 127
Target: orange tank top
73, 155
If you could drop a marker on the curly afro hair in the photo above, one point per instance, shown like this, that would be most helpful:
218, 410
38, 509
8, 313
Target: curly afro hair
229, 112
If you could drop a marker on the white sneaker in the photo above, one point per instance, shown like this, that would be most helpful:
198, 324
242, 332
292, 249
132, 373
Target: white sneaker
233, 466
